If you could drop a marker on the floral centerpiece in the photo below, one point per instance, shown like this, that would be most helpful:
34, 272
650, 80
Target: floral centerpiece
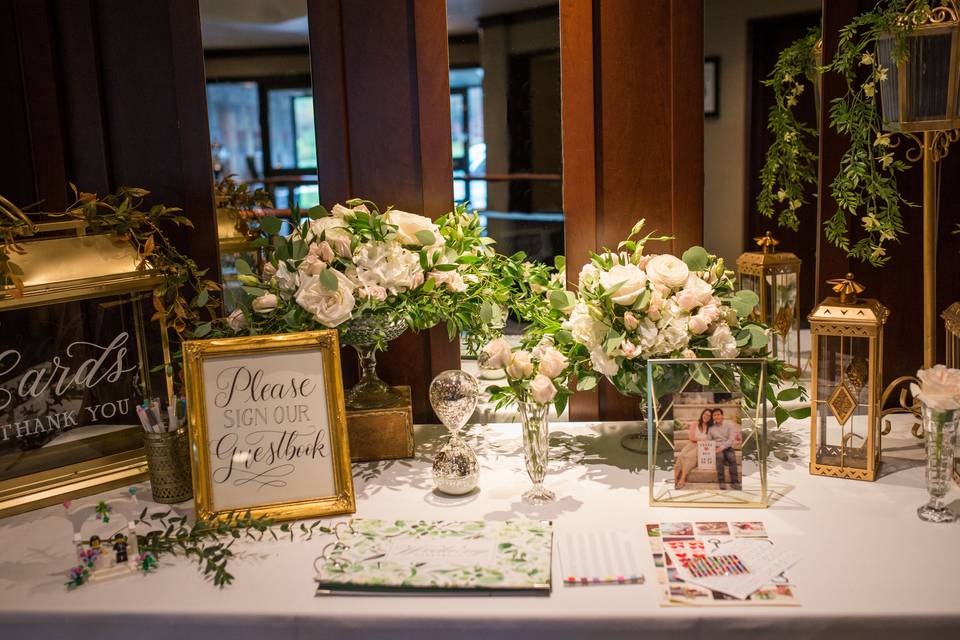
370, 274
632, 306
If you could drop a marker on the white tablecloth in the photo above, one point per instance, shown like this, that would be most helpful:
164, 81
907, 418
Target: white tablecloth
870, 568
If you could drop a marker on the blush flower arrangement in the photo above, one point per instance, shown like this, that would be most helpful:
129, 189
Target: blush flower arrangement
631, 306
357, 261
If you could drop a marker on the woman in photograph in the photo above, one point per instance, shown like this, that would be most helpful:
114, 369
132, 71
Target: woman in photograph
687, 457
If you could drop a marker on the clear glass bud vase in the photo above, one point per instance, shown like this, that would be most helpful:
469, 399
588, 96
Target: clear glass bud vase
535, 422
940, 430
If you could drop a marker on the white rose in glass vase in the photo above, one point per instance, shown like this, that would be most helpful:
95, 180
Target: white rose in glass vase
552, 362
631, 279
520, 366
668, 271
329, 308
408, 224
939, 388
496, 354
542, 389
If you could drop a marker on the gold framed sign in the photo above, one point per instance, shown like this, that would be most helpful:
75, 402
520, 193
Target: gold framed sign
268, 426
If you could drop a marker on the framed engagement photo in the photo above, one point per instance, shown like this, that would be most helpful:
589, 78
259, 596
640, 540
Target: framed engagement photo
707, 422
268, 426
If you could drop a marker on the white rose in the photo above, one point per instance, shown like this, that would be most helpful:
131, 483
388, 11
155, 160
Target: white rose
722, 342
495, 354
542, 389
629, 349
552, 362
340, 211
699, 289
698, 324
667, 270
687, 301
939, 388
268, 271
630, 321
520, 366
388, 265
674, 334
632, 281
452, 280
236, 320
603, 363
408, 224
689, 354
265, 303
330, 308
372, 292
335, 231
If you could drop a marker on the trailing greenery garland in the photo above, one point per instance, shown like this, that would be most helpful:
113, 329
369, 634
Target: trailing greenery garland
791, 164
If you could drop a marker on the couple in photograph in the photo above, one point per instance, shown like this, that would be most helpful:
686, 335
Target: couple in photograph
723, 433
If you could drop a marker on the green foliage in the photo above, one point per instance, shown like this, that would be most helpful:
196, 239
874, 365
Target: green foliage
791, 164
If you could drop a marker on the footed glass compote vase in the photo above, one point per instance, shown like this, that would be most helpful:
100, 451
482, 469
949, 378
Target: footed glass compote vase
365, 334
535, 420
453, 396
940, 431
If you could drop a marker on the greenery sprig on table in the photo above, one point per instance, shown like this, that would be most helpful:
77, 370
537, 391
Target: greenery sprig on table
791, 164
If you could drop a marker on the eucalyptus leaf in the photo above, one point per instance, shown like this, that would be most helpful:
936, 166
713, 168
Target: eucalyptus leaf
271, 225
329, 280
426, 237
696, 258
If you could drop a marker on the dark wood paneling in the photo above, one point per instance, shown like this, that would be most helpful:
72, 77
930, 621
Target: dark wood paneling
45, 121
633, 135
391, 125
16, 162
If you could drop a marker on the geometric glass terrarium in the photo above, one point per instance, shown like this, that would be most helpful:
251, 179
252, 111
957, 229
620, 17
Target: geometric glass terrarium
707, 431
847, 338
774, 276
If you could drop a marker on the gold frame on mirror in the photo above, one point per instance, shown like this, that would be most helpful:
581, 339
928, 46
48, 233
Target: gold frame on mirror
326, 344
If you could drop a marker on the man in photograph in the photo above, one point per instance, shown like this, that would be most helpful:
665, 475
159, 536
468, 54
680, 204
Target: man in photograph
724, 434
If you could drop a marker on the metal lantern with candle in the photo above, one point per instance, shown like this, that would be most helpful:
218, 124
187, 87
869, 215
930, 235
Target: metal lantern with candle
847, 360
774, 276
951, 325
76, 352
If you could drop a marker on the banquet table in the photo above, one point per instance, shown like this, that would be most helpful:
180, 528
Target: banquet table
869, 567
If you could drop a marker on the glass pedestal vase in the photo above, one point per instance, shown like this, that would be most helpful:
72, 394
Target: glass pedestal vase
638, 441
366, 334
939, 430
535, 422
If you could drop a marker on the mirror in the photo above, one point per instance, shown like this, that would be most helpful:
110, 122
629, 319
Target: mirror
260, 109
742, 41
505, 120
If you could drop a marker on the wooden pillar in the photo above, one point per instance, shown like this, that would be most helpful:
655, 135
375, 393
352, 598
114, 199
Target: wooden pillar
632, 81
381, 76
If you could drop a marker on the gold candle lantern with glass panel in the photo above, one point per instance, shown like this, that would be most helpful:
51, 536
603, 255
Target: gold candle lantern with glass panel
847, 360
951, 325
775, 277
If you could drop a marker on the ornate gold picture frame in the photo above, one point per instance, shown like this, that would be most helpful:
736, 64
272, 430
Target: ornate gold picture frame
268, 426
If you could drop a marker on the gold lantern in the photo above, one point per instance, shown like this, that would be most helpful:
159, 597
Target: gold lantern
847, 358
951, 325
236, 240
775, 276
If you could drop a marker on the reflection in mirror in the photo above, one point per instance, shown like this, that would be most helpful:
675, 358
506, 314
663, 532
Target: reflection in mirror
505, 120
260, 108
742, 40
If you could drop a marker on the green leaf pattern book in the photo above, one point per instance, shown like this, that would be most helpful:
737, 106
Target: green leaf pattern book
411, 556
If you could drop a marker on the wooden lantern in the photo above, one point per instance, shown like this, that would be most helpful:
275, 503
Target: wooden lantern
775, 277
920, 93
847, 361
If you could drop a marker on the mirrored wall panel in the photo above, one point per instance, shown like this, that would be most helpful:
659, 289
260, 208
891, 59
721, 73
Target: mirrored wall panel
505, 120
260, 107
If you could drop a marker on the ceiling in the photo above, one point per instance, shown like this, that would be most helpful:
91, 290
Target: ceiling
252, 24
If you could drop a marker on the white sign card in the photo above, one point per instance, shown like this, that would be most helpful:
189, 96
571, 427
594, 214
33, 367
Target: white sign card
272, 428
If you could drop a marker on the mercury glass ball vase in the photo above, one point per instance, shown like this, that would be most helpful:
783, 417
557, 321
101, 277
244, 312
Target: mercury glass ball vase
453, 396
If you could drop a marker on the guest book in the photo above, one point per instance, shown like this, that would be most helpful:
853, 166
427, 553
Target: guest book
435, 557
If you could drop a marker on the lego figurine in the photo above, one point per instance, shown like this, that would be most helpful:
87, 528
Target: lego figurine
120, 547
